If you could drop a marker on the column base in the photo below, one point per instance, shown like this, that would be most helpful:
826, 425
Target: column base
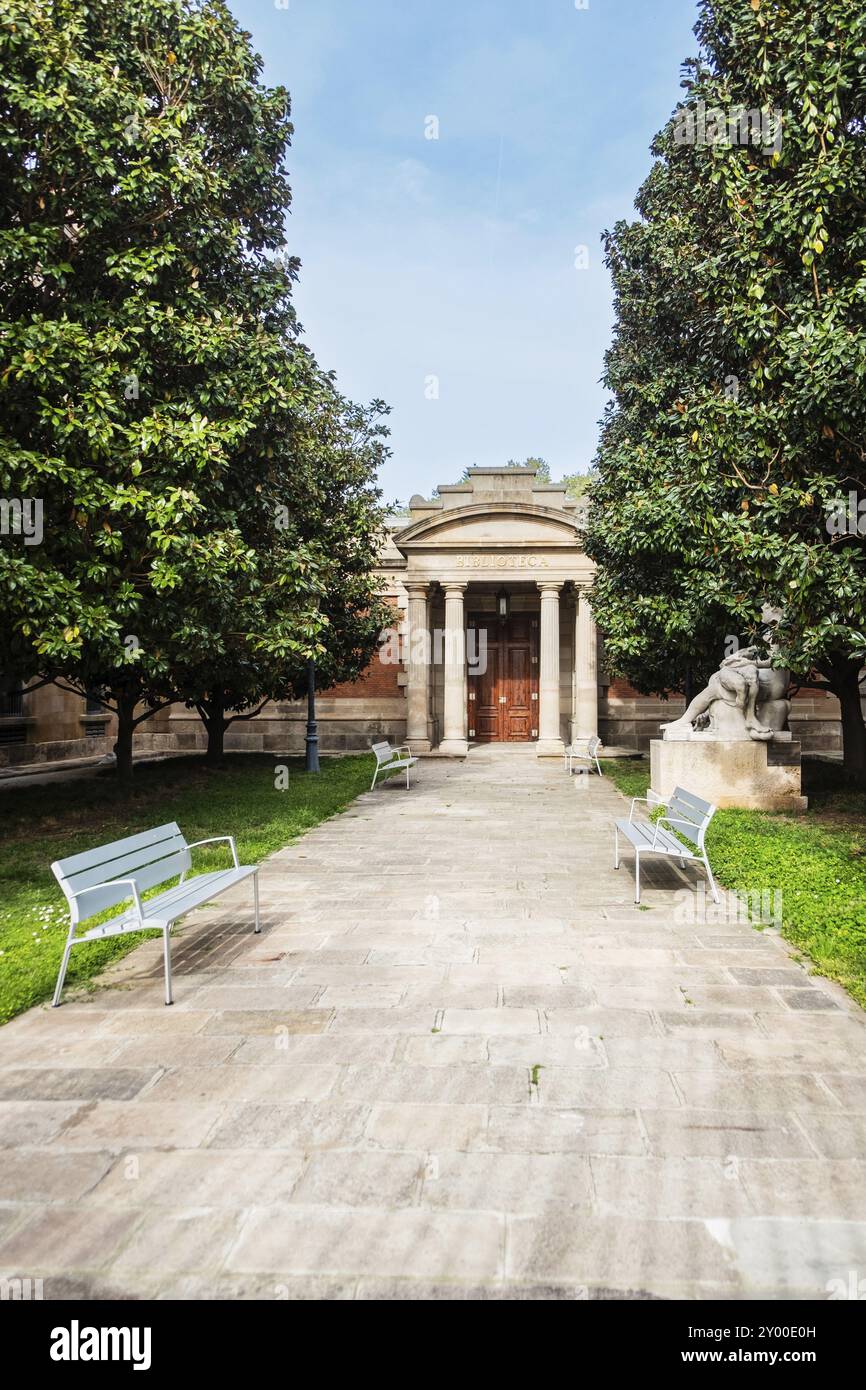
454, 748
419, 745
549, 748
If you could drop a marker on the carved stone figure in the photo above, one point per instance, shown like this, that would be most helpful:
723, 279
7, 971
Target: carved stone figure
746, 698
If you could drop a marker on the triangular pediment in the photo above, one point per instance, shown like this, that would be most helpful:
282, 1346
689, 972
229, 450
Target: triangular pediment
484, 525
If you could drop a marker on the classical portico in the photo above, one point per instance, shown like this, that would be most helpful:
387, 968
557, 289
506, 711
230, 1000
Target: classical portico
500, 642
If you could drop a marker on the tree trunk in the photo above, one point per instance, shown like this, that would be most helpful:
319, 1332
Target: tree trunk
125, 733
846, 686
213, 717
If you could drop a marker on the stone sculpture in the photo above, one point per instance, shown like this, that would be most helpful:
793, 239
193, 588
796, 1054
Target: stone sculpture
745, 699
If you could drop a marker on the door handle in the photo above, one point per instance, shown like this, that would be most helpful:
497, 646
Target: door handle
503, 700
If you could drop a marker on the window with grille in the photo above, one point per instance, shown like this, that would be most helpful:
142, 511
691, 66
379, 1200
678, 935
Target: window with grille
11, 700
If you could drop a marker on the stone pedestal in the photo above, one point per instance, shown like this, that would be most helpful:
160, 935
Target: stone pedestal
730, 773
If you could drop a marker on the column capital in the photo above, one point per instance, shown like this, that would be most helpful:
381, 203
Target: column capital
549, 586
416, 588
457, 589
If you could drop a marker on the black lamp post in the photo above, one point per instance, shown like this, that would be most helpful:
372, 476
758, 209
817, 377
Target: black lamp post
312, 759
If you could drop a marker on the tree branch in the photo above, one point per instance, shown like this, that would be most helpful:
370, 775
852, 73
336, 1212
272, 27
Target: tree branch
241, 718
154, 710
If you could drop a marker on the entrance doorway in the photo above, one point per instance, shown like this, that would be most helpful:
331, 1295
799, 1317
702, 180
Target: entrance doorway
503, 698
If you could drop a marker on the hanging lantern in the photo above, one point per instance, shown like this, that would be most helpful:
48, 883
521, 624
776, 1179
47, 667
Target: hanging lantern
503, 602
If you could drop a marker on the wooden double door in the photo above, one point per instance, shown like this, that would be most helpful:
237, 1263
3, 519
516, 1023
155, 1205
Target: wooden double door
503, 690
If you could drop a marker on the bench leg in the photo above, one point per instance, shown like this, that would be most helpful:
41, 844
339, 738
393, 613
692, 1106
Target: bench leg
407, 779
713, 888
615, 848
256, 900
373, 783
637, 875
166, 954
62, 976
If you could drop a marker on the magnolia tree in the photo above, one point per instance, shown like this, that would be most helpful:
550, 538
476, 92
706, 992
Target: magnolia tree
308, 588
153, 382
732, 465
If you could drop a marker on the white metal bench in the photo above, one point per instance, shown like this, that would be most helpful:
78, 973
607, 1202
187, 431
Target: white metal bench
101, 878
390, 759
584, 750
687, 814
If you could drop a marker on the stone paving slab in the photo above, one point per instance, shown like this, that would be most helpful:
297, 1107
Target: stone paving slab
458, 1063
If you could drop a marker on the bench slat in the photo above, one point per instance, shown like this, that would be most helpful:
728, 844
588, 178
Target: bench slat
175, 902
98, 898
185, 896
129, 865
683, 812
641, 834
694, 803
104, 854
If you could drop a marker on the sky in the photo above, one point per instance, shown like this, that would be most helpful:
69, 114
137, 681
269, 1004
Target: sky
461, 278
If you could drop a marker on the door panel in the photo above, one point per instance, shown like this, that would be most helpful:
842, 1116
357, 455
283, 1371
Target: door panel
518, 706
484, 692
503, 699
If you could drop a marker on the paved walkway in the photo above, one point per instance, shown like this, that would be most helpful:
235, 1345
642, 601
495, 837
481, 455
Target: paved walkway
458, 1062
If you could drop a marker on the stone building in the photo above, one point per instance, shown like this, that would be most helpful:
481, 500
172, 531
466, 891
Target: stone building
494, 640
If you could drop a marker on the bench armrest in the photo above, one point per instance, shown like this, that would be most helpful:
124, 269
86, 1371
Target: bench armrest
217, 840
403, 748
664, 821
652, 800
112, 883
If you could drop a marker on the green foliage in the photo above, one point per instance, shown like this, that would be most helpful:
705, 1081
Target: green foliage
209, 510
541, 466
630, 775
738, 365
818, 862
46, 823
578, 485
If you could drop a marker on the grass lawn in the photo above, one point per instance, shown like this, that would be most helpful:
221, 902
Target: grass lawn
817, 860
44, 823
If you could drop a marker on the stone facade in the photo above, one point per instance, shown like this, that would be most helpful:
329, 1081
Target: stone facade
495, 562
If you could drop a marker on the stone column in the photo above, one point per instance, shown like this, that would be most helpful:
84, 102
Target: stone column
418, 665
454, 740
549, 737
585, 721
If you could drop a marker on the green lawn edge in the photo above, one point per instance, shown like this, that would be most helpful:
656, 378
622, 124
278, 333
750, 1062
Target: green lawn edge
819, 867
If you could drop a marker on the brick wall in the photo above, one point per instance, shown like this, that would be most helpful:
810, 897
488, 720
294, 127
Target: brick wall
378, 682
